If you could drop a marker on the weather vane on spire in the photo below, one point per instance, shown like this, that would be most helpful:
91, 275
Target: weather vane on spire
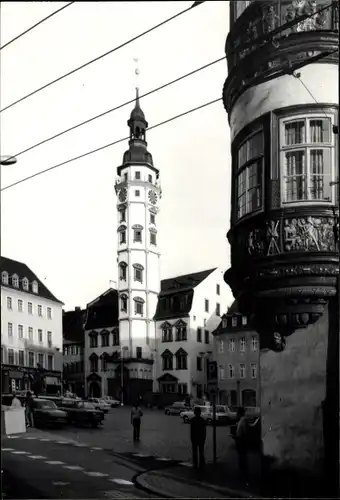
137, 71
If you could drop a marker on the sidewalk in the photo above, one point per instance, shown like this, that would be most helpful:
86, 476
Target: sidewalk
217, 481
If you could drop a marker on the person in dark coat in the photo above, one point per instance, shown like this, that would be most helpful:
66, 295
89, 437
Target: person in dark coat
136, 417
29, 409
198, 433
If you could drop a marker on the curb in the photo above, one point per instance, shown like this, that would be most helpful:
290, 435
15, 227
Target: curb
227, 492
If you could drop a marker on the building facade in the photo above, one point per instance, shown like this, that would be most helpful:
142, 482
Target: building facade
31, 329
284, 232
188, 311
73, 351
110, 368
237, 353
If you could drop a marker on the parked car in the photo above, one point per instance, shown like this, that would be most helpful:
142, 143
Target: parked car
81, 412
112, 402
100, 404
176, 408
46, 412
253, 435
223, 414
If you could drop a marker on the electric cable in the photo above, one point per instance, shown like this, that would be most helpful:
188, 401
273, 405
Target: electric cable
95, 59
83, 155
35, 25
117, 107
298, 77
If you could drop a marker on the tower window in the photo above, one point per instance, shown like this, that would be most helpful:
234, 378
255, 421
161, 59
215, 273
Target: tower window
137, 235
139, 305
153, 239
122, 215
138, 352
125, 177
123, 271
137, 175
218, 289
122, 237
123, 303
150, 178
138, 272
137, 192
206, 305
152, 219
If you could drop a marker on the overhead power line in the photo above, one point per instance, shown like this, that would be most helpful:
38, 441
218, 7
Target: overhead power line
109, 145
95, 59
118, 107
35, 25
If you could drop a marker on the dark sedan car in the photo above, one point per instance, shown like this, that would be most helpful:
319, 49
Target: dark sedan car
176, 408
81, 412
46, 412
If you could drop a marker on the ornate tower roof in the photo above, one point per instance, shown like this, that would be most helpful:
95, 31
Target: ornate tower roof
137, 152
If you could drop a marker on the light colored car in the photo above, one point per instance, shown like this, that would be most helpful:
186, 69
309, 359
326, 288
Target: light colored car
223, 414
112, 402
100, 404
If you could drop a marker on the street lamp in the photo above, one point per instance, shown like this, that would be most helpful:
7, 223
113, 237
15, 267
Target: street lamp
122, 349
7, 160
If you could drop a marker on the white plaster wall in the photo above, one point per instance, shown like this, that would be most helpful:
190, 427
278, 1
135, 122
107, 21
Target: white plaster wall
321, 79
15, 317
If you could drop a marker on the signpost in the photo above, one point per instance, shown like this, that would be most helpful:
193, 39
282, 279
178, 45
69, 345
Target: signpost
212, 388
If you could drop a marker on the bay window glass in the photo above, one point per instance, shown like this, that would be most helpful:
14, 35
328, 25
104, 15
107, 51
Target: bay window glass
307, 158
249, 175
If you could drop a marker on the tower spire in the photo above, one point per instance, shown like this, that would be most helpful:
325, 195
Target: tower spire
137, 122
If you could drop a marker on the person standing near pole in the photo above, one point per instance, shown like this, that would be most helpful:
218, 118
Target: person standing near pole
29, 409
136, 419
198, 434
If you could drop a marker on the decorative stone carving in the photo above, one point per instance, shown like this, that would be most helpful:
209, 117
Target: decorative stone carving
309, 234
270, 19
255, 242
305, 7
273, 237
308, 270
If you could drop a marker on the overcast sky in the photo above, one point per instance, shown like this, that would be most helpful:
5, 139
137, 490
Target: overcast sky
63, 223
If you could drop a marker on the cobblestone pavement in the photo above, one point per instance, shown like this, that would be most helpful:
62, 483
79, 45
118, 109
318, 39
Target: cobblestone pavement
161, 435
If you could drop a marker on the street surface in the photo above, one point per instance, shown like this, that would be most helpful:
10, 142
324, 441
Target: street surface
103, 463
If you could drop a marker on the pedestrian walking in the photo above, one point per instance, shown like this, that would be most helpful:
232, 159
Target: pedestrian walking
16, 403
241, 443
136, 418
29, 409
198, 433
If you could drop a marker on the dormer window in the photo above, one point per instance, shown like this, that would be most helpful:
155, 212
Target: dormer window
25, 284
35, 287
4, 278
15, 280
234, 321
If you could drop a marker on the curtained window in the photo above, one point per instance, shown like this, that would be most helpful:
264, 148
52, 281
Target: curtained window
307, 156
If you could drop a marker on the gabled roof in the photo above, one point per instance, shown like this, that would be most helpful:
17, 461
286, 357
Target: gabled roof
186, 281
23, 271
73, 325
103, 312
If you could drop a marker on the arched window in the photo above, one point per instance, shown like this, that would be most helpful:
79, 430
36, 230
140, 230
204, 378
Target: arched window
122, 234
15, 280
4, 277
93, 362
103, 358
105, 338
139, 305
122, 213
35, 287
124, 302
93, 339
123, 271
25, 284
167, 359
138, 272
166, 332
181, 331
181, 359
